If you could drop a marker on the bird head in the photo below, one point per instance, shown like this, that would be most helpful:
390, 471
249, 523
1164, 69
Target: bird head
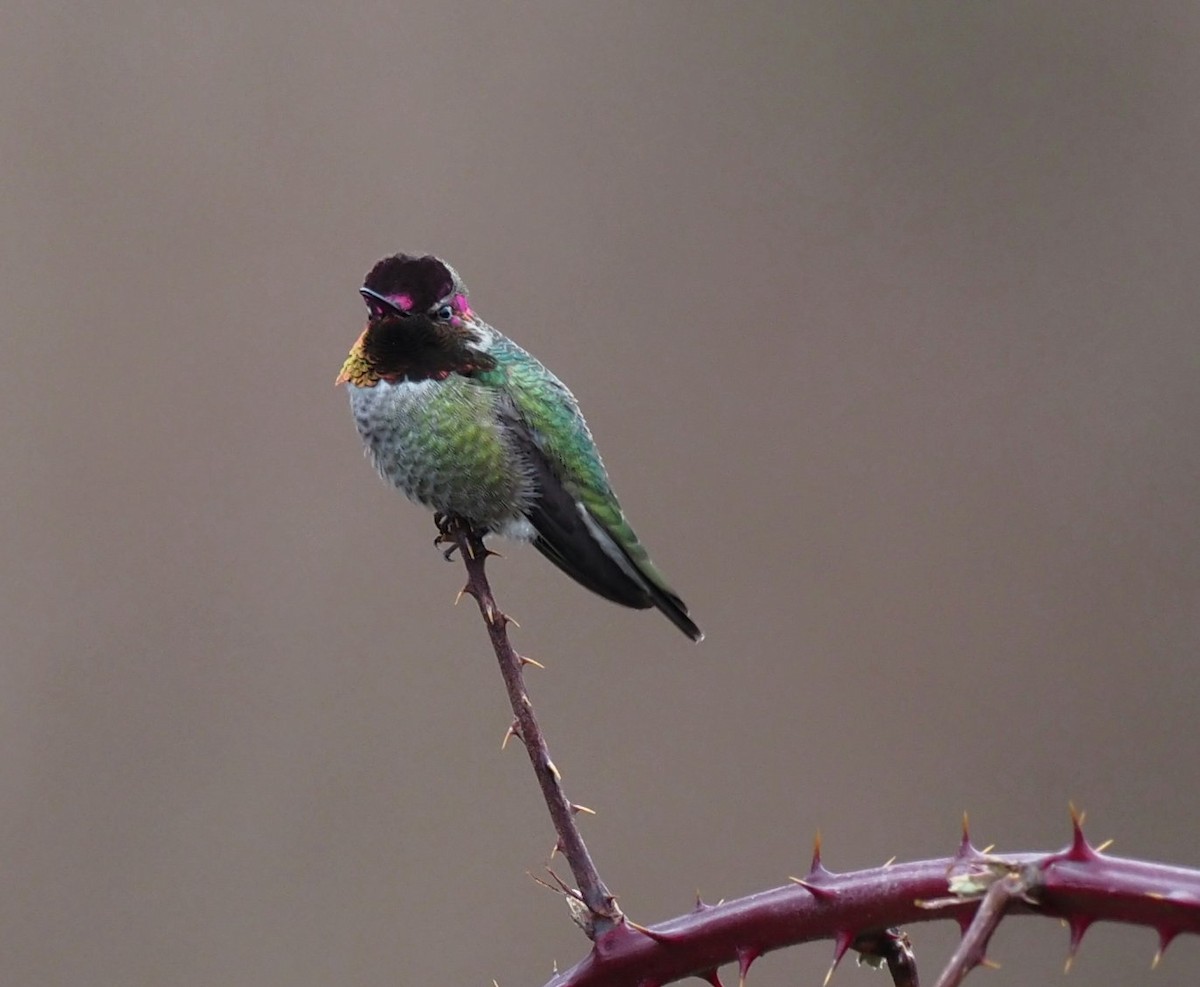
419, 325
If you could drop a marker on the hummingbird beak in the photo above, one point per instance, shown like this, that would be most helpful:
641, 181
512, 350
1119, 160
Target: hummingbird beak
380, 305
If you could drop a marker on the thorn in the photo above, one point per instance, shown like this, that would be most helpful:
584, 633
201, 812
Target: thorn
491, 553
815, 867
746, 956
1080, 850
712, 976
498, 616
814, 889
989, 964
966, 849
529, 661
701, 904
461, 593
841, 943
1077, 817
514, 730
553, 770
816, 870
987, 849
1078, 926
658, 937
576, 809
1105, 845
817, 873
1165, 938
890, 860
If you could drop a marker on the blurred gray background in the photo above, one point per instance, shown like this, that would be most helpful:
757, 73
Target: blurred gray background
885, 317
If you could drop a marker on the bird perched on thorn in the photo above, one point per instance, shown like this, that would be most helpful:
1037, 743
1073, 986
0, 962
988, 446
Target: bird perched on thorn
461, 419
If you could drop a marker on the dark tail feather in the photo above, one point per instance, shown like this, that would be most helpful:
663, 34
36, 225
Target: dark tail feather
675, 611
591, 569
564, 538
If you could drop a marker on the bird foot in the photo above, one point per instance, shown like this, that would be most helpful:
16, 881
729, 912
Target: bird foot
450, 527
447, 525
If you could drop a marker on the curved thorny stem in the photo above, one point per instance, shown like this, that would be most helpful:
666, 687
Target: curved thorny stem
859, 911
1079, 885
600, 913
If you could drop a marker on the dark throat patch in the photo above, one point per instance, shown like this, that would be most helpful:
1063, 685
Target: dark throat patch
418, 348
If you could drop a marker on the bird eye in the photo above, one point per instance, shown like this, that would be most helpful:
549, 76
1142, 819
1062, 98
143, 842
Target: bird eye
444, 312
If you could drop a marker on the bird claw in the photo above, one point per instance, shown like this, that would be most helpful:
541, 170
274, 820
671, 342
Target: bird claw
448, 526
453, 530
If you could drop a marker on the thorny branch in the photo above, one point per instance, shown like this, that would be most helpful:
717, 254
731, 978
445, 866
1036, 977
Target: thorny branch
1078, 884
600, 914
858, 910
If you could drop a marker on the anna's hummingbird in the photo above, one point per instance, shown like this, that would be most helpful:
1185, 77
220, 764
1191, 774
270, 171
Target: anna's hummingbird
464, 421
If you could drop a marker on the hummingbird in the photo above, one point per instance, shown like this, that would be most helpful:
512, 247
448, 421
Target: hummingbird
465, 422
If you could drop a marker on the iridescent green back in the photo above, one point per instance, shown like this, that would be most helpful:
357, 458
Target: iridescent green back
557, 426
